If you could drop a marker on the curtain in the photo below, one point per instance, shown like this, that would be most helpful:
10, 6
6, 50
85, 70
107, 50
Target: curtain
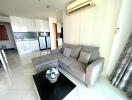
122, 74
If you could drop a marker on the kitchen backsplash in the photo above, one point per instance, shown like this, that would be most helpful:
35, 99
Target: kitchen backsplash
25, 35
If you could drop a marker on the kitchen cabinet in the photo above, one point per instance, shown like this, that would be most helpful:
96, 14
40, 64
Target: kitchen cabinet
58, 28
34, 45
15, 24
47, 26
20, 24
27, 25
39, 25
27, 46
42, 25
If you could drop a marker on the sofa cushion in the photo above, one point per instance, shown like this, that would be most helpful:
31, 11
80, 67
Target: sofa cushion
57, 55
78, 69
42, 67
66, 61
56, 51
75, 49
84, 57
67, 52
45, 59
94, 51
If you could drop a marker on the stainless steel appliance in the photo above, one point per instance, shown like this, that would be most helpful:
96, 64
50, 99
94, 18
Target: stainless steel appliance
42, 40
48, 40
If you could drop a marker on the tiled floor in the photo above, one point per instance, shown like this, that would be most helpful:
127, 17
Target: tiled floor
17, 82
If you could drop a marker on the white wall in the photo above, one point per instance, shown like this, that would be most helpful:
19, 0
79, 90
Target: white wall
9, 43
93, 26
52, 34
121, 37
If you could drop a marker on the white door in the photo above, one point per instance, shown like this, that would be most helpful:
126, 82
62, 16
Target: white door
124, 28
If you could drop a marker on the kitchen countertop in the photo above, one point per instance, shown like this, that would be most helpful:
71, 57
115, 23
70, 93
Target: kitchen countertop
26, 39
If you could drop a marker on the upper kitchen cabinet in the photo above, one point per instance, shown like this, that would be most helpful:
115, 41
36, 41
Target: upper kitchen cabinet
15, 24
20, 24
42, 25
46, 26
27, 25
58, 28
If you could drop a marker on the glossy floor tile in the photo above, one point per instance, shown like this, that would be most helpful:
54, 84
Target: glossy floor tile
17, 83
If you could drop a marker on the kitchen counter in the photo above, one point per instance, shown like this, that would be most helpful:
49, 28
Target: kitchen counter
26, 39
26, 46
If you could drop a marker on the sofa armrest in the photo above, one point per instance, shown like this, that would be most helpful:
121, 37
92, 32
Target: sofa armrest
93, 71
58, 50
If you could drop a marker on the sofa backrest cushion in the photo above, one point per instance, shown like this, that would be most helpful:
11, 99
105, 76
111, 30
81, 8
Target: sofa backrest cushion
94, 51
84, 57
75, 49
67, 52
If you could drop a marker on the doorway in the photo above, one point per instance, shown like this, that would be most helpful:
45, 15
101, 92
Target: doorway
55, 35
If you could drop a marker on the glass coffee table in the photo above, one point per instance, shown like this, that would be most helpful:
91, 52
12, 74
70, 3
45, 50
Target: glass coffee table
63, 89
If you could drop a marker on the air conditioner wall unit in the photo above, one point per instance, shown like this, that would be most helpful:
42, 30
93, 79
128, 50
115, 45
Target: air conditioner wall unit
78, 4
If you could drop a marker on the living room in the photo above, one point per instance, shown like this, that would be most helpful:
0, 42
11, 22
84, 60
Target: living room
96, 36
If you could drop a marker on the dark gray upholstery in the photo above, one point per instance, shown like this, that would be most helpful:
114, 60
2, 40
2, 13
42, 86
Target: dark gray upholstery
57, 51
84, 57
86, 73
94, 51
66, 61
46, 60
78, 69
93, 70
75, 49
67, 52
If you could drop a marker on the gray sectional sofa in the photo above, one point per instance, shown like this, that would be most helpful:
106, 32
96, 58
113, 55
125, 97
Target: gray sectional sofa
83, 62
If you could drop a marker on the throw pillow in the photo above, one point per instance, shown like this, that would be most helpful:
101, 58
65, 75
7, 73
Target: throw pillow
75, 51
67, 52
84, 57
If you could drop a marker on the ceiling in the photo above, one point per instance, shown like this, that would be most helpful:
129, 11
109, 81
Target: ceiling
32, 8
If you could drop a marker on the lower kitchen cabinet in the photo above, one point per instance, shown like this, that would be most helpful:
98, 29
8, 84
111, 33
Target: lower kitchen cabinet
27, 46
